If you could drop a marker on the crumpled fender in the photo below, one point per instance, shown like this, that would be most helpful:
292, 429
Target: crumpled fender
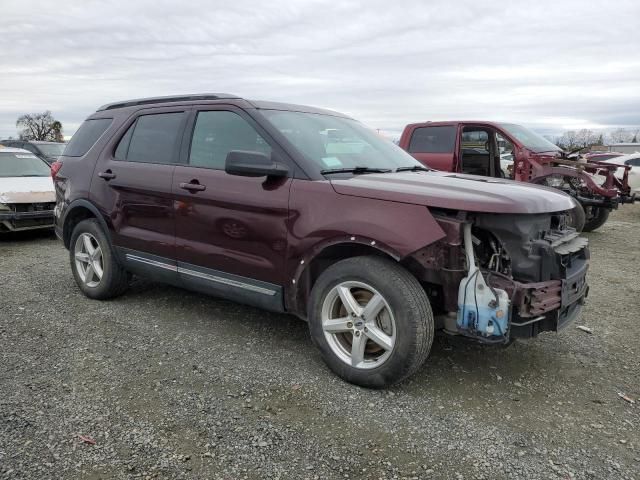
320, 218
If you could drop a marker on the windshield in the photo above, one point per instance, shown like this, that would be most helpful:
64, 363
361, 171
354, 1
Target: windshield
22, 165
531, 140
51, 149
336, 142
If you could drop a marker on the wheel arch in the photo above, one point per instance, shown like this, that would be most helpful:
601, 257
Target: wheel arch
77, 211
322, 257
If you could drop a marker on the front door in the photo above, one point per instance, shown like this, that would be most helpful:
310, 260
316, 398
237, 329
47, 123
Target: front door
132, 187
230, 230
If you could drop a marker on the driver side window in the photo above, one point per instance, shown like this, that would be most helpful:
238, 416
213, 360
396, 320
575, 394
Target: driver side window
218, 132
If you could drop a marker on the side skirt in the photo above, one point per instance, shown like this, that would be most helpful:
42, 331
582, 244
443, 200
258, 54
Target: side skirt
239, 289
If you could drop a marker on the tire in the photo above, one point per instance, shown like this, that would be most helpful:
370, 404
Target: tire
402, 321
578, 217
595, 218
87, 263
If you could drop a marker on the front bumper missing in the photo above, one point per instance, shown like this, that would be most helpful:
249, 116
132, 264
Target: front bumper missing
544, 306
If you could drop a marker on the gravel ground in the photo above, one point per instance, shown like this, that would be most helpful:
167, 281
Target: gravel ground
171, 384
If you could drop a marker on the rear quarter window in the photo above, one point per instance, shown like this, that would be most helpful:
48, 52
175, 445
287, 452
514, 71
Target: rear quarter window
440, 139
86, 136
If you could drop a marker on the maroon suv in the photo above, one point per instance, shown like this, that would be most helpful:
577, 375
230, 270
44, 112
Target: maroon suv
300, 210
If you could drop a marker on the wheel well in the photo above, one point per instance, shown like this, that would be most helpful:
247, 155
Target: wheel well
74, 217
322, 261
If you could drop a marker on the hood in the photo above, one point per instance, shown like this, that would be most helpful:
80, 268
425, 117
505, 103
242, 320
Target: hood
457, 192
26, 190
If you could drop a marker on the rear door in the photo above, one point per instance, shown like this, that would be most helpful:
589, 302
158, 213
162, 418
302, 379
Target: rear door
132, 186
435, 146
230, 230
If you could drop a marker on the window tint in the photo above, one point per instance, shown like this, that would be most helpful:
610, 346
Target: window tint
123, 146
154, 138
86, 136
433, 140
216, 133
634, 162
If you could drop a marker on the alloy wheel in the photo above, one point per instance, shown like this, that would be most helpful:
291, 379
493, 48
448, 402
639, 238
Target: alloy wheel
358, 325
88, 258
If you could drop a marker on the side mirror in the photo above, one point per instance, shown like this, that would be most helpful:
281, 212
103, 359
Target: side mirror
253, 164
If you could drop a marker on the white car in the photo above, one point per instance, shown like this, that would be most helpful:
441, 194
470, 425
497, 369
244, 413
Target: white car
632, 160
27, 195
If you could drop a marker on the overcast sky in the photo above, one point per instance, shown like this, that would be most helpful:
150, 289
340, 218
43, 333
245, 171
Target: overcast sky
552, 65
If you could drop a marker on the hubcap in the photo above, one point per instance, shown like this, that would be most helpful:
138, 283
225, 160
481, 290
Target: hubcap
88, 257
358, 324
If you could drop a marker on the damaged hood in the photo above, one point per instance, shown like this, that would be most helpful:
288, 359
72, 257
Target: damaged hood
456, 191
26, 190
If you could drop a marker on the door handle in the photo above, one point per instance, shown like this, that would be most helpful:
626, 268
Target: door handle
193, 186
107, 175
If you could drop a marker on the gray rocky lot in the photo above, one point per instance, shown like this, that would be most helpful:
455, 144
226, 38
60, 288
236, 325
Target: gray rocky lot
163, 383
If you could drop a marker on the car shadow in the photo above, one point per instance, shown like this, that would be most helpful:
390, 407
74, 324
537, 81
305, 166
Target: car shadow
449, 356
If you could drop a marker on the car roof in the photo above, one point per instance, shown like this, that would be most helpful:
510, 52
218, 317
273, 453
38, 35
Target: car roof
440, 123
213, 98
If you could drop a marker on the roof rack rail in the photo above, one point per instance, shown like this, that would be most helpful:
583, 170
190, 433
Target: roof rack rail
170, 98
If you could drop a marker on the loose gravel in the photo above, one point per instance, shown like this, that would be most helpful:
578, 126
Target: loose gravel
163, 383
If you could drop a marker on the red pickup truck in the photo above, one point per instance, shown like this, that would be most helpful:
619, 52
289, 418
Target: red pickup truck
512, 151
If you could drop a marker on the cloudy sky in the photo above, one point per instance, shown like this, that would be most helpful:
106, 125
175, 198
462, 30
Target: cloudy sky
552, 65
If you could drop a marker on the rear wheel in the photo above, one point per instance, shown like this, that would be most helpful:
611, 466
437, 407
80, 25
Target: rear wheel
371, 320
93, 263
595, 218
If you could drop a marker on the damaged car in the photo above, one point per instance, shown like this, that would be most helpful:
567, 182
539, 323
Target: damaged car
513, 151
306, 211
27, 197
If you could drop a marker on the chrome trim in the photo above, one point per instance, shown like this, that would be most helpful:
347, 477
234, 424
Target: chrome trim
153, 263
227, 281
204, 276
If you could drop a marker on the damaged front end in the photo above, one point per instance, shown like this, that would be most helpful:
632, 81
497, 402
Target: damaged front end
499, 276
26, 211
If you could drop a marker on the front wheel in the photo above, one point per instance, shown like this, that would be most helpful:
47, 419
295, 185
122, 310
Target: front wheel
595, 218
371, 320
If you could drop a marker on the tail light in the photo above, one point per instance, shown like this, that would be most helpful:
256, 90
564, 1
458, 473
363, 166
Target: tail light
55, 168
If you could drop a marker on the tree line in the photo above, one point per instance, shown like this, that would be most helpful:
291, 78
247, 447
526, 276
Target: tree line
584, 138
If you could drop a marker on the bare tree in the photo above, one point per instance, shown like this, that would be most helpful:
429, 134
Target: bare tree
574, 139
624, 135
568, 140
40, 126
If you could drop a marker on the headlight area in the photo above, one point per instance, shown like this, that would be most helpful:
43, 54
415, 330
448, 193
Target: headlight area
499, 276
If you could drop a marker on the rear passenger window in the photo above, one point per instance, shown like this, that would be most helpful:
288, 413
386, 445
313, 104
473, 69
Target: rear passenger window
151, 139
216, 133
440, 139
86, 136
